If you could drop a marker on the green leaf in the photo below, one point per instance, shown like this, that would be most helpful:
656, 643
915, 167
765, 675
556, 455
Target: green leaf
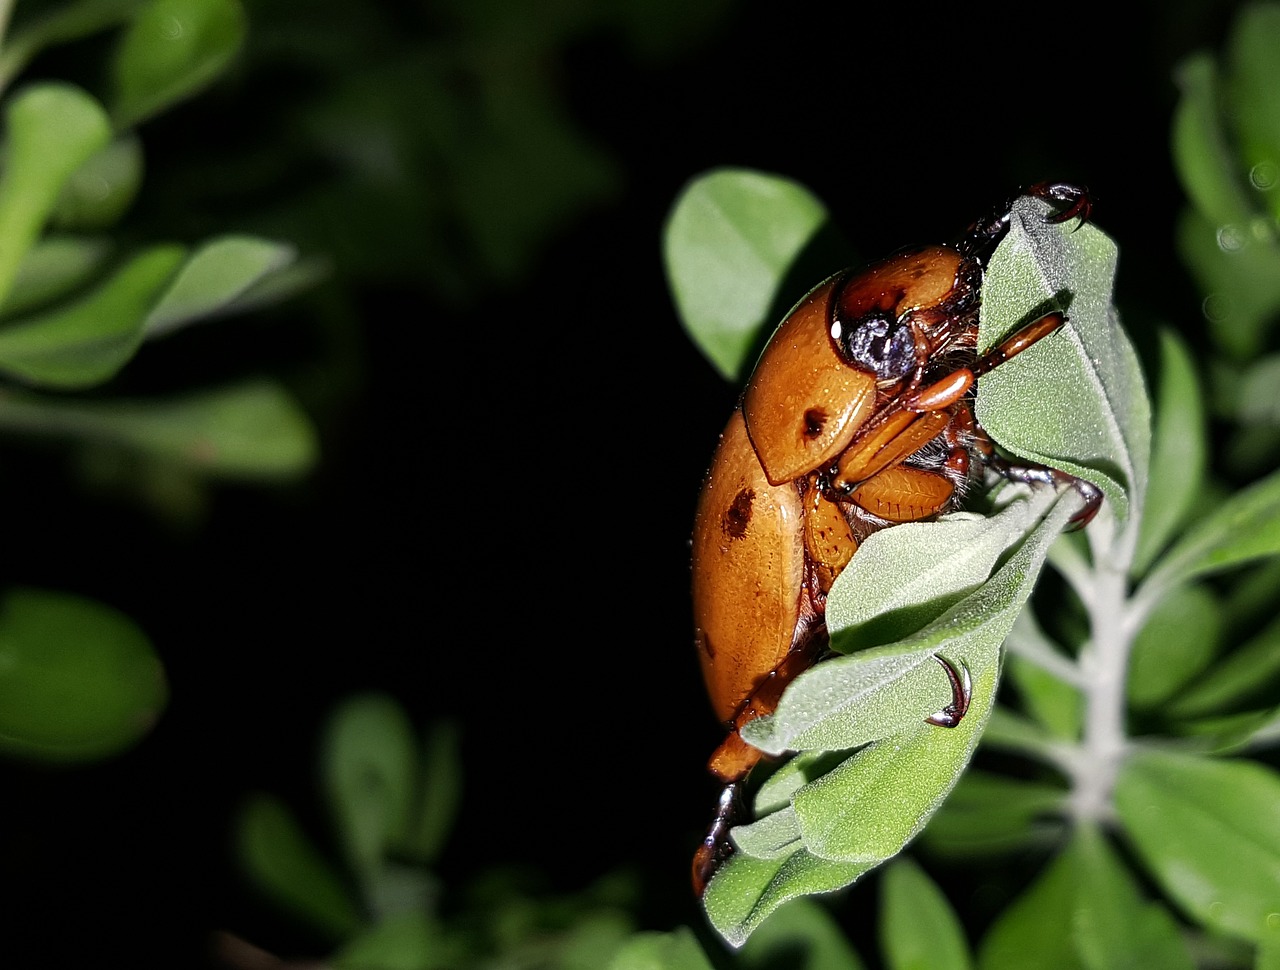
1254, 78
1055, 704
171, 50
862, 812
677, 950
1239, 275
1178, 451
1244, 526
253, 431
285, 864
405, 941
214, 277
53, 268
78, 680
1178, 641
84, 343
918, 928
800, 936
50, 131
729, 242
439, 797
369, 765
1092, 417
1268, 957
101, 190
746, 890
1247, 674
57, 25
989, 814
1208, 832
1206, 163
1085, 911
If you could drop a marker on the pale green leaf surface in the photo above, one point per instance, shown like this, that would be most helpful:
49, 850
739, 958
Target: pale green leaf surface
1178, 451
279, 857
369, 763
729, 242
51, 129
1075, 400
215, 275
1240, 677
774, 836
171, 50
918, 928
78, 680
1209, 833
54, 267
86, 342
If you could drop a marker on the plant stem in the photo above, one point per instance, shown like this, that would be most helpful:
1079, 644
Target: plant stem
1105, 665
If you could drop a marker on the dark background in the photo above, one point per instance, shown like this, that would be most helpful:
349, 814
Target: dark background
498, 532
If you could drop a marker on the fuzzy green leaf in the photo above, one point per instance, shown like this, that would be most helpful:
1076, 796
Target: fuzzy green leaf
800, 936
918, 928
1076, 400
1254, 78
989, 814
678, 950
171, 50
1208, 832
731, 238
78, 680
1178, 641
54, 267
1206, 163
101, 190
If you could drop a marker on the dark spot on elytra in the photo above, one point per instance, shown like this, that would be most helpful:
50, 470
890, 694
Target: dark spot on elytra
815, 419
738, 516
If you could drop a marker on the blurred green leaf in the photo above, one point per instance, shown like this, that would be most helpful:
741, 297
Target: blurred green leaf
1098, 427
285, 864
1268, 957
678, 950
1085, 911
369, 763
171, 50
86, 342
918, 928
254, 430
1178, 451
214, 276
1254, 79
1244, 526
405, 941
1239, 275
439, 795
51, 129
1178, 641
989, 814
800, 936
1202, 154
56, 25
1248, 673
101, 190
1056, 705
78, 680
54, 267
731, 237
1208, 832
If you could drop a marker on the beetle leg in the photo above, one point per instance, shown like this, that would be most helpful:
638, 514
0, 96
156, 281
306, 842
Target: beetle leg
961, 694
981, 238
1041, 475
716, 846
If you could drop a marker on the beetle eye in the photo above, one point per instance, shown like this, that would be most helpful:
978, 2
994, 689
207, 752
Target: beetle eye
876, 343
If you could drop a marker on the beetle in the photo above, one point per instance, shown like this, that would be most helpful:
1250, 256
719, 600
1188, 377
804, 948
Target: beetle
857, 417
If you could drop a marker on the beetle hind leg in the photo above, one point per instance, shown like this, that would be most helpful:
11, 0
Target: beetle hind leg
961, 694
716, 846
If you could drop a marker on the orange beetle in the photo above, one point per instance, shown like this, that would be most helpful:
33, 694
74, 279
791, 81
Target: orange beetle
858, 416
